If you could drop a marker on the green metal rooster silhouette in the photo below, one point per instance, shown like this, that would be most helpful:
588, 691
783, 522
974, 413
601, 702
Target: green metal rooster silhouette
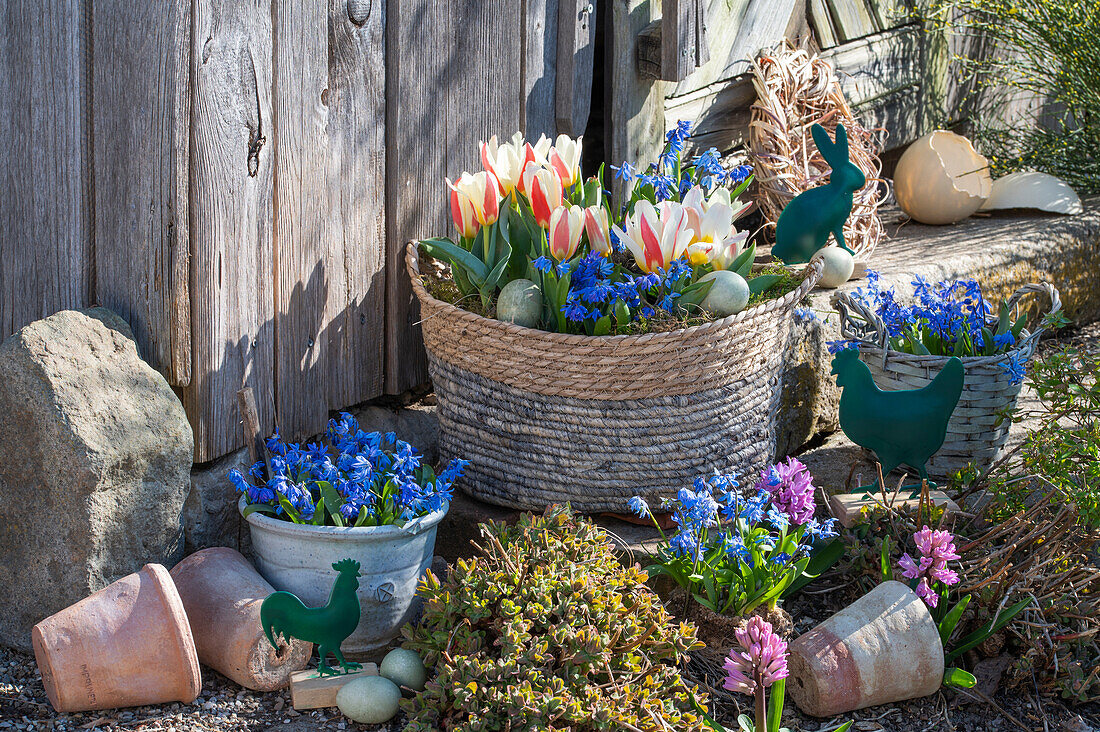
905, 426
282, 613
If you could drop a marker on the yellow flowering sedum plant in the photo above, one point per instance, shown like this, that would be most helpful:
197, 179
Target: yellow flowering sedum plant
545, 629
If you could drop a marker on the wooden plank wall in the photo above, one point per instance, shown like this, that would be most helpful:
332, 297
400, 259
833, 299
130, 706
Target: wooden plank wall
238, 178
142, 59
46, 222
454, 75
231, 221
879, 61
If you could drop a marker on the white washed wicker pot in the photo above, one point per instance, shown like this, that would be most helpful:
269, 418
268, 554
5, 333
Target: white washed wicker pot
976, 432
298, 558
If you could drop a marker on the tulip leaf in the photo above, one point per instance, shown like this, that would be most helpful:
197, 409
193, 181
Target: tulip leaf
986, 630
1004, 319
958, 678
742, 265
775, 705
760, 284
447, 250
947, 625
603, 326
694, 294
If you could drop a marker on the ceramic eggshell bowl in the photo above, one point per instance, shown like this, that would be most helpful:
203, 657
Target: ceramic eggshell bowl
1031, 189
941, 179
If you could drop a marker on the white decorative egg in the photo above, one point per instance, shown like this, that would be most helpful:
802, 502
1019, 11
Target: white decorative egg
728, 295
520, 302
941, 179
404, 668
839, 265
369, 700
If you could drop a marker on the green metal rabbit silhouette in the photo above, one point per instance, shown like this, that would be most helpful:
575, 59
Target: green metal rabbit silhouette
806, 222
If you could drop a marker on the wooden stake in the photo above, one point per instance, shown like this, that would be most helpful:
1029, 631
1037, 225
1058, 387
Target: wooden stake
310, 691
250, 423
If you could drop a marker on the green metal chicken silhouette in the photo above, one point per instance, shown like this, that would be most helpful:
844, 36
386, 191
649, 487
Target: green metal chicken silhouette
806, 222
282, 613
906, 426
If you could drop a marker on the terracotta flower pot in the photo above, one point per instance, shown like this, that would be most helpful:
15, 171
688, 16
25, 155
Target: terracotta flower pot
882, 648
222, 594
127, 645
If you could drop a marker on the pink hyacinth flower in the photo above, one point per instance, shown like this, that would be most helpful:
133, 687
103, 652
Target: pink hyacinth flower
761, 661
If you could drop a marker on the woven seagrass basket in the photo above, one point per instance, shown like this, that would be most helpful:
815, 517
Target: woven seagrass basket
976, 433
593, 420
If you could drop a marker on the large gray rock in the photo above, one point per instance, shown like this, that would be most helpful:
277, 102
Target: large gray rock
95, 451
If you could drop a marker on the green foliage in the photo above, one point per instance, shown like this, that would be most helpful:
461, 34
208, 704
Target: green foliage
1049, 49
544, 629
1063, 452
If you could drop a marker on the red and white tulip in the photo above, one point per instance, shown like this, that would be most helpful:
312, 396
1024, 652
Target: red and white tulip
504, 160
656, 235
566, 226
483, 192
462, 211
565, 159
543, 189
598, 228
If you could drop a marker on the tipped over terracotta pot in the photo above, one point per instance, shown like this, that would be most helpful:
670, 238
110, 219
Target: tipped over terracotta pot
222, 593
127, 645
885, 647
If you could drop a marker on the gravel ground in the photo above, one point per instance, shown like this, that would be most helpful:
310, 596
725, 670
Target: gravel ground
223, 706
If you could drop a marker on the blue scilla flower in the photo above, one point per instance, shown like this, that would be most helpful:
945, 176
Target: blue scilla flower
625, 172
574, 310
806, 315
755, 508
543, 264
685, 544
780, 559
562, 268
647, 312
820, 530
738, 174
639, 507
454, 470
778, 518
648, 281
709, 161
1004, 340
664, 185
668, 302
1015, 367
735, 548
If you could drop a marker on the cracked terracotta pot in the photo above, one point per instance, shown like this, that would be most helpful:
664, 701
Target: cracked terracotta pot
127, 645
885, 647
222, 593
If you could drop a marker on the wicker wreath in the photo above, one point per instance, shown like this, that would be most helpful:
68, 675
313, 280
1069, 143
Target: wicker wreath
977, 431
593, 420
795, 90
